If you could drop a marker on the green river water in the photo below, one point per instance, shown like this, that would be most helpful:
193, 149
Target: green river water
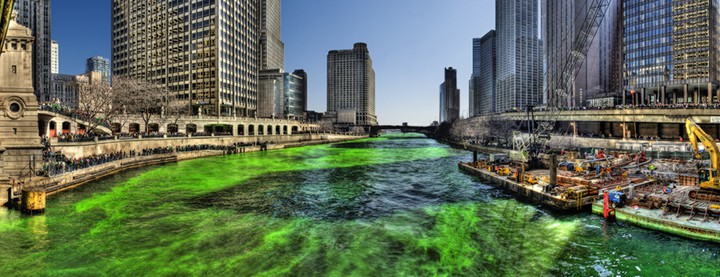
390, 206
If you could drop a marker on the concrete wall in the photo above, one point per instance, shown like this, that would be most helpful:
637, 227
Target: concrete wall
90, 148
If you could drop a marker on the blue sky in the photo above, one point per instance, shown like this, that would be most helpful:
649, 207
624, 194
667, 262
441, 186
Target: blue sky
410, 41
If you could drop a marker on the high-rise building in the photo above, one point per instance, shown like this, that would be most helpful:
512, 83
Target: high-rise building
206, 52
601, 72
35, 14
351, 84
294, 98
519, 54
54, 58
483, 80
64, 90
99, 64
671, 51
271, 46
271, 96
303, 75
449, 97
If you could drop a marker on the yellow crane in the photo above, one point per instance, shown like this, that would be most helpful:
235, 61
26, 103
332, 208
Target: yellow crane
709, 178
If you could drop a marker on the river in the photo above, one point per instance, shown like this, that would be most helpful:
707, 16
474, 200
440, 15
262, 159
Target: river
395, 205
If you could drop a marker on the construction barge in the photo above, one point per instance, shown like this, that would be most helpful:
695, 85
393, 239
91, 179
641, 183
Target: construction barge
536, 192
676, 196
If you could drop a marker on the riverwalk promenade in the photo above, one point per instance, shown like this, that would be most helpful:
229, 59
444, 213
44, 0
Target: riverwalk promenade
59, 182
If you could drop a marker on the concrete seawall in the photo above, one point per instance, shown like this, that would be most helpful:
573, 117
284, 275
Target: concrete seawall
76, 178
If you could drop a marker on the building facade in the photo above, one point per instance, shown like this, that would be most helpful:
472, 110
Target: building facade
272, 48
35, 14
449, 97
54, 58
483, 81
601, 72
294, 96
271, 96
671, 51
303, 75
64, 90
207, 53
99, 64
351, 84
519, 54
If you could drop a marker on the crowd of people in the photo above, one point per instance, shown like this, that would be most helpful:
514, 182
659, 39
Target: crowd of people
56, 162
82, 137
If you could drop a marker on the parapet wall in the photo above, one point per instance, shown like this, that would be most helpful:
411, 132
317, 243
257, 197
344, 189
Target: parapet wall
82, 149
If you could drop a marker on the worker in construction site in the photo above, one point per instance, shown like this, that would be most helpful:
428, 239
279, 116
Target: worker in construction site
652, 169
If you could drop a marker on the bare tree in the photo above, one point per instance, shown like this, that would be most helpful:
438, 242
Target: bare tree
142, 98
175, 110
95, 103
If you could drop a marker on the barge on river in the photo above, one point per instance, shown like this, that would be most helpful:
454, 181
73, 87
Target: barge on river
534, 190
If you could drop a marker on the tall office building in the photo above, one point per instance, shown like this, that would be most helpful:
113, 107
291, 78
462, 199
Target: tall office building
303, 75
270, 94
474, 102
99, 64
271, 46
519, 54
207, 52
600, 75
449, 97
482, 82
54, 58
671, 51
294, 98
35, 14
351, 85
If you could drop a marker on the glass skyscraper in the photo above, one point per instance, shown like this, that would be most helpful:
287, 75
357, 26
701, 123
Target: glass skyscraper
671, 51
482, 82
519, 54
99, 64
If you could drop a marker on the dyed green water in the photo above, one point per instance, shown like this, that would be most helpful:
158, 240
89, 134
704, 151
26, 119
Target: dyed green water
378, 207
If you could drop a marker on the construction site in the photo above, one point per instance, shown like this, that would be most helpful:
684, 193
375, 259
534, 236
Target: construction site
678, 194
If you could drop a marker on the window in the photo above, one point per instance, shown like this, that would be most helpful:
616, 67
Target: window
14, 69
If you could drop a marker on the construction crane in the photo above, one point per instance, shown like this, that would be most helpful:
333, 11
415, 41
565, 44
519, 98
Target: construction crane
709, 179
6, 7
529, 146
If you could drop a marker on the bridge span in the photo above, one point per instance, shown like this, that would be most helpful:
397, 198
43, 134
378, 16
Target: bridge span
374, 130
666, 123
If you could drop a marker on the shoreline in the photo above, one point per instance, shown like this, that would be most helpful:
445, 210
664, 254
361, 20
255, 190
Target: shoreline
56, 184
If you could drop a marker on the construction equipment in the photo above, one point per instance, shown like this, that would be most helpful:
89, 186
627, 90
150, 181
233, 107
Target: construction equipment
530, 179
503, 171
709, 181
527, 147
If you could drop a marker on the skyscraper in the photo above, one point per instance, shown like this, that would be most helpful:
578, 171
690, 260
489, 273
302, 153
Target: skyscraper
302, 74
207, 53
99, 64
482, 82
601, 71
271, 46
54, 58
270, 94
671, 51
35, 14
294, 99
449, 97
351, 84
519, 54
